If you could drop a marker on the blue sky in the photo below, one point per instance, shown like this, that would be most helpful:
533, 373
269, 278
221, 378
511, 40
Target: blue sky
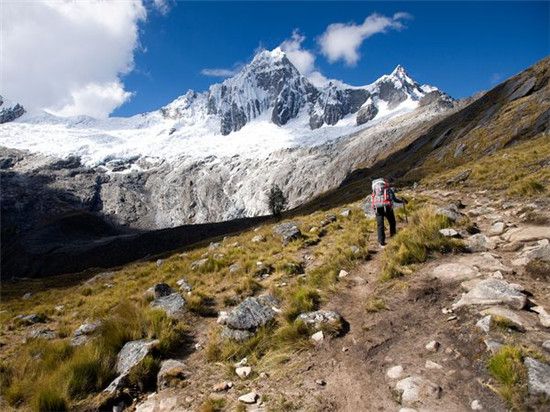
126, 57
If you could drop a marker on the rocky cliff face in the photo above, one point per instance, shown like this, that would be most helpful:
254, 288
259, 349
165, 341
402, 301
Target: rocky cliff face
10, 111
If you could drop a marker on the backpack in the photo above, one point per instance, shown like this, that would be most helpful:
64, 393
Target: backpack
381, 194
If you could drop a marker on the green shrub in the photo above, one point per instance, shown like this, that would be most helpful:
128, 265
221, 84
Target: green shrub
506, 367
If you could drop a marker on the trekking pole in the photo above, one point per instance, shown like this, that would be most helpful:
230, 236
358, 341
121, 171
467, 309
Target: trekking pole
406, 214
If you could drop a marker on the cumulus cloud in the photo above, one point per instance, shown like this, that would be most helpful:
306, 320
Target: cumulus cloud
341, 41
68, 57
301, 58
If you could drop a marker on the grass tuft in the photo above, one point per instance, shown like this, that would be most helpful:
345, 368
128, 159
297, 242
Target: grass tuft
506, 367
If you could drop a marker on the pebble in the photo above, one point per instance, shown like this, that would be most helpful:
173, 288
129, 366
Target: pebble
222, 386
433, 346
318, 336
320, 382
342, 274
243, 371
249, 398
394, 372
476, 405
432, 365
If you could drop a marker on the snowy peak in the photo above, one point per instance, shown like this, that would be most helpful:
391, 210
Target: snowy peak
9, 110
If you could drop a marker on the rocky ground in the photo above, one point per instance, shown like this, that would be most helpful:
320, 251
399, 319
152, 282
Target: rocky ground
424, 345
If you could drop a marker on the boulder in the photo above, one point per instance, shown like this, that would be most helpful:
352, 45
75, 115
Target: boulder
485, 262
521, 321
162, 289
497, 228
243, 372
249, 315
171, 374
80, 335
527, 234
42, 333
539, 251
173, 305
455, 272
492, 292
450, 211
460, 177
30, 319
416, 389
326, 320
479, 243
288, 231
538, 377
131, 354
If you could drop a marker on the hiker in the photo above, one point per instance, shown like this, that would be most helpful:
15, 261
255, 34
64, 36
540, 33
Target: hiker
383, 197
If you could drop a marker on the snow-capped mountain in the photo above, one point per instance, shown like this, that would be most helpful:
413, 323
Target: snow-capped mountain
267, 106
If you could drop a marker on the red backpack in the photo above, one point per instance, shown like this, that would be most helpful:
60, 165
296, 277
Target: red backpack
381, 194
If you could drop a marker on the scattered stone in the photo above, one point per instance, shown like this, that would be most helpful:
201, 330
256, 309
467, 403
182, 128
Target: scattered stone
538, 377
345, 213
497, 275
461, 177
493, 346
159, 262
452, 317
450, 211
173, 305
171, 374
544, 316
214, 245
527, 234
234, 268
446, 311
484, 324
476, 405
395, 372
323, 320
30, 319
485, 262
43, 333
356, 250
320, 382
27, 296
80, 335
318, 336
197, 264
162, 289
258, 239
263, 375
328, 220
455, 272
493, 291
342, 274
243, 372
546, 345
416, 389
222, 386
519, 320
288, 231
250, 314
479, 243
184, 286
539, 251
433, 346
249, 398
432, 365
497, 228
448, 232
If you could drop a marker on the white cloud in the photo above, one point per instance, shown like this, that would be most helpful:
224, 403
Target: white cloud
219, 72
341, 41
163, 6
302, 59
68, 57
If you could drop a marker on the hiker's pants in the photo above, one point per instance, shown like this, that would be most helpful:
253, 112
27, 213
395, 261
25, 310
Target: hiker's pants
388, 214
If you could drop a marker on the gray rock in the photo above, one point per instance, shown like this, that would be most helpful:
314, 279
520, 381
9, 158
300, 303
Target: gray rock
497, 228
162, 289
171, 374
546, 345
159, 262
328, 220
455, 272
80, 335
30, 319
415, 389
237, 335
539, 251
448, 232
521, 321
484, 324
485, 262
288, 231
459, 178
249, 398
234, 268
252, 313
527, 234
184, 285
450, 211
197, 264
173, 305
479, 243
493, 291
395, 372
366, 113
43, 333
476, 405
345, 213
493, 346
327, 320
538, 377
27, 296
544, 316
258, 239
9, 114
